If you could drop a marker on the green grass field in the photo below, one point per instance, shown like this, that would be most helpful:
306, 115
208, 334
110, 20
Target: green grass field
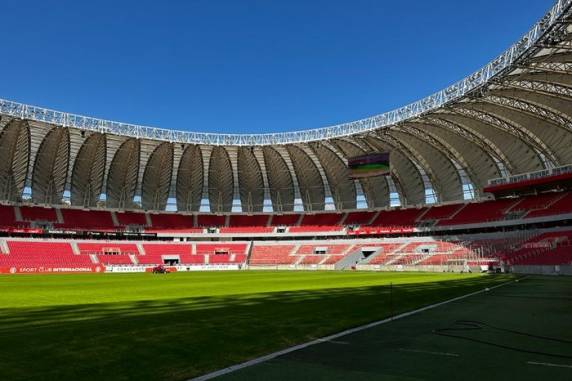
520, 331
177, 326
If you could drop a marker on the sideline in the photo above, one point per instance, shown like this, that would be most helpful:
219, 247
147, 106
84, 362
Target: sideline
549, 364
335, 336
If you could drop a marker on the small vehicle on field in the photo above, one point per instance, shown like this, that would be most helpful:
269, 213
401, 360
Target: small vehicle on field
160, 269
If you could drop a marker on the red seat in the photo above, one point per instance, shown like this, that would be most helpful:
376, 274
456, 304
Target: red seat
321, 219
210, 220
561, 206
480, 212
397, 217
109, 253
131, 218
244, 220
230, 248
97, 220
285, 219
314, 229
42, 254
154, 253
36, 213
359, 218
171, 222
272, 255
247, 229
441, 212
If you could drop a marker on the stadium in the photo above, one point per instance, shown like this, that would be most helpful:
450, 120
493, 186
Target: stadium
429, 242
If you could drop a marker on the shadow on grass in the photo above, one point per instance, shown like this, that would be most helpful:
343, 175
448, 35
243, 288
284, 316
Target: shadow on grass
180, 338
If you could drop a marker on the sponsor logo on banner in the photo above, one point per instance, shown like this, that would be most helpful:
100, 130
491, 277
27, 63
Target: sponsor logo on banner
45, 270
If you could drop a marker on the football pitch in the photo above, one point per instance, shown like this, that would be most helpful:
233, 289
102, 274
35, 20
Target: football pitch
182, 325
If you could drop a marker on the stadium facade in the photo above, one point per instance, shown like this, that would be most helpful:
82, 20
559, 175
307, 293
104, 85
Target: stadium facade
512, 116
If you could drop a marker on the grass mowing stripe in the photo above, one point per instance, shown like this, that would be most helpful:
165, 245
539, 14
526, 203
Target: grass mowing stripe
333, 337
429, 352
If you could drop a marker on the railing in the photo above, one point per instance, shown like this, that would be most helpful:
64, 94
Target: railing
532, 175
454, 92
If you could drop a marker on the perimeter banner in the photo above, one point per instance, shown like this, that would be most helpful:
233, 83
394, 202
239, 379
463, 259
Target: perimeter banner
51, 270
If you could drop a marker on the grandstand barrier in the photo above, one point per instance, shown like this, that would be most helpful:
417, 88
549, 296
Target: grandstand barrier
542, 269
51, 270
425, 268
291, 267
181, 268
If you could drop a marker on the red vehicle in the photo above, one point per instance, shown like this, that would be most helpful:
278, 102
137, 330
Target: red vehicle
160, 269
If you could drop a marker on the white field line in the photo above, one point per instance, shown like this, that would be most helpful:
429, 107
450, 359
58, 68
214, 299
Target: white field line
429, 352
335, 342
335, 336
550, 364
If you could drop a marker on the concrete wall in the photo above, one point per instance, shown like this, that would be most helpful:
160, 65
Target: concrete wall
542, 270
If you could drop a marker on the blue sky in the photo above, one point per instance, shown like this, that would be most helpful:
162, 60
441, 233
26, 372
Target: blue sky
247, 66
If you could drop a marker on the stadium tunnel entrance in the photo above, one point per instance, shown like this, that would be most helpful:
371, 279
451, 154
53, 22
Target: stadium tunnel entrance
171, 260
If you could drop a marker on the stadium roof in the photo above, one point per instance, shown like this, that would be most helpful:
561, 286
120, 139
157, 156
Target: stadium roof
512, 116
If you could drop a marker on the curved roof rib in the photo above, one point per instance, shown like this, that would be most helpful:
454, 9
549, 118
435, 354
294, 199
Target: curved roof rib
51, 167
190, 180
337, 173
14, 156
157, 178
123, 175
88, 171
309, 178
280, 181
251, 182
221, 182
